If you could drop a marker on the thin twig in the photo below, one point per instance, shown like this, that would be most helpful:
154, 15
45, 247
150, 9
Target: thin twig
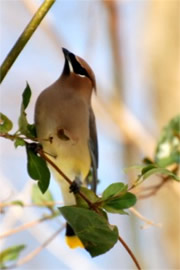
43, 204
130, 253
26, 226
36, 251
8, 136
25, 36
15, 136
44, 156
156, 188
140, 216
152, 190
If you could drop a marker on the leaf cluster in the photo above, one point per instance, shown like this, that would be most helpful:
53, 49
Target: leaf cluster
26, 136
168, 147
92, 227
167, 154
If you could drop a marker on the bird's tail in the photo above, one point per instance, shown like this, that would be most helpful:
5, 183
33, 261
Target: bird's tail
71, 238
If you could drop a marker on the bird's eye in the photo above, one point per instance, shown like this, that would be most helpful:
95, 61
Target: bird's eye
73, 64
77, 68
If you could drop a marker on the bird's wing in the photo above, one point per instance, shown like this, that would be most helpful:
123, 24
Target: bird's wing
93, 148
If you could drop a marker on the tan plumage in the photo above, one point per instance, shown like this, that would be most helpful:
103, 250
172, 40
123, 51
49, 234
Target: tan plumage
63, 113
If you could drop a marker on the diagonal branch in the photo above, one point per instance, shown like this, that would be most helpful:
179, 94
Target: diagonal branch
44, 156
36, 251
24, 37
26, 226
43, 204
140, 216
130, 253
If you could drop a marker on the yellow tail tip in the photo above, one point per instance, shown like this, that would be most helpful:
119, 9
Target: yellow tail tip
74, 242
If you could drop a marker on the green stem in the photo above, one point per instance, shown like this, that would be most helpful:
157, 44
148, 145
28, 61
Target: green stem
24, 37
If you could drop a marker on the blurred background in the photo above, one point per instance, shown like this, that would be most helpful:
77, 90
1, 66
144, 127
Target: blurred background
133, 48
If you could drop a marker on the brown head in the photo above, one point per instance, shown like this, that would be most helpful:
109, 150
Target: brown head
76, 66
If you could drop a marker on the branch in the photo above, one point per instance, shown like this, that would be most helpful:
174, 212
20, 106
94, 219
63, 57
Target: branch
44, 156
36, 251
154, 189
140, 216
26, 226
24, 37
130, 253
47, 26
43, 204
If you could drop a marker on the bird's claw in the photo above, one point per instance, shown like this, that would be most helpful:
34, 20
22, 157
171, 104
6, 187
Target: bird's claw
75, 186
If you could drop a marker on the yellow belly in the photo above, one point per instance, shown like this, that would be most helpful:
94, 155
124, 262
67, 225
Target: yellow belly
73, 159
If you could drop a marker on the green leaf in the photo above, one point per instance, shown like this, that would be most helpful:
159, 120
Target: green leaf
5, 124
22, 122
18, 202
117, 205
24, 127
168, 147
10, 254
148, 168
26, 96
39, 198
173, 158
152, 170
37, 168
89, 194
103, 213
32, 130
111, 209
19, 142
114, 190
160, 171
97, 235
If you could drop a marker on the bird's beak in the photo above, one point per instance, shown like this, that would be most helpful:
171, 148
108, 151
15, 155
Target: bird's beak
67, 65
66, 53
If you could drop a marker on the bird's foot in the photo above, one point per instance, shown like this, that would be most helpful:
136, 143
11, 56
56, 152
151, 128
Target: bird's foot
75, 186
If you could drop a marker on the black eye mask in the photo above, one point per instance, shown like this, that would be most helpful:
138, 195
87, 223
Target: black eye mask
77, 68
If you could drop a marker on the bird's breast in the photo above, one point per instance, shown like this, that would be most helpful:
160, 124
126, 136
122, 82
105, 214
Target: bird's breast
63, 129
72, 157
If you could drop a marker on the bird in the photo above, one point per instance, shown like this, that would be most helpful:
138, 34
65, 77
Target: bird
66, 129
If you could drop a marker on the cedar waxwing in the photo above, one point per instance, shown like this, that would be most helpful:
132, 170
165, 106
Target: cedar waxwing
63, 114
